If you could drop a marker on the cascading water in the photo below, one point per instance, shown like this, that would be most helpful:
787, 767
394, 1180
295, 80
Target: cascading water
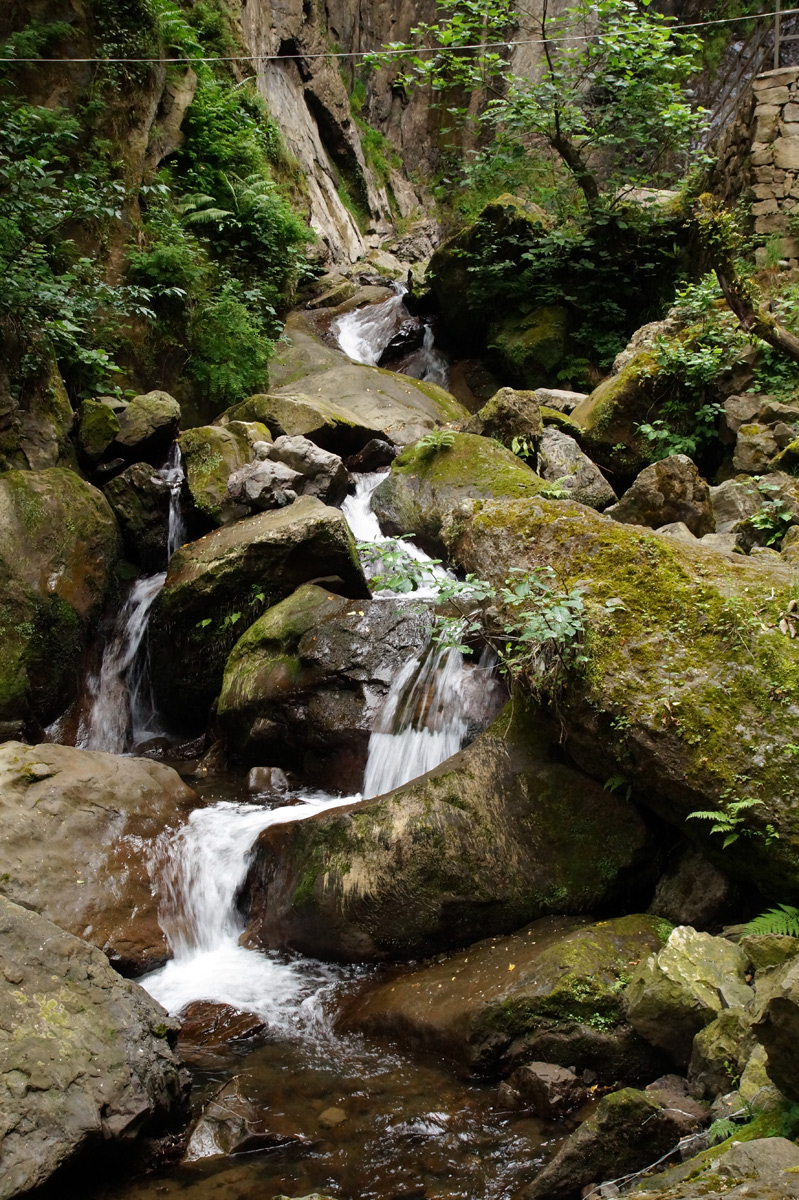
120, 712
364, 333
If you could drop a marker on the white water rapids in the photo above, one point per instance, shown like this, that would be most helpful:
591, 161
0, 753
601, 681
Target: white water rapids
364, 333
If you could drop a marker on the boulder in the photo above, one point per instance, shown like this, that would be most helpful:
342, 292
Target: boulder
529, 348
140, 499
766, 1168
79, 828
552, 991
233, 1122
550, 1091
85, 1056
59, 546
232, 574
778, 1031
610, 416
375, 454
561, 461
671, 699
628, 1131
495, 836
427, 484
676, 992
303, 686
35, 425
211, 454
559, 400
733, 503
98, 426
720, 1053
509, 414
755, 447
692, 891
147, 427
290, 467
669, 490
263, 485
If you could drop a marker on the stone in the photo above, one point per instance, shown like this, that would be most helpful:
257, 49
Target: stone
323, 474
375, 454
211, 454
242, 568
148, 426
562, 401
263, 485
59, 547
778, 1029
561, 461
677, 530
786, 153
98, 426
693, 891
35, 428
673, 994
761, 1169
755, 447
331, 1117
609, 417
232, 1122
667, 491
79, 828
628, 1131
426, 485
85, 1056
550, 1091
720, 1053
409, 336
509, 414
267, 779
738, 411
733, 503
477, 846
210, 1026
304, 685
529, 348
140, 499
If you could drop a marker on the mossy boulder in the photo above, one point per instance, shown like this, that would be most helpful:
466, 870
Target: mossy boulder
86, 1057
211, 453
499, 834
59, 545
688, 665
778, 1030
552, 991
678, 991
509, 414
147, 426
719, 1053
529, 348
141, 500
609, 418
667, 491
303, 686
35, 426
98, 426
216, 587
754, 1162
427, 484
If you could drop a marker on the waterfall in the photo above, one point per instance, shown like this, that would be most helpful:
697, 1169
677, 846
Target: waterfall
364, 333
120, 711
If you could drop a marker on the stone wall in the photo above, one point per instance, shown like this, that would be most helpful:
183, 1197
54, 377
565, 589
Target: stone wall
758, 160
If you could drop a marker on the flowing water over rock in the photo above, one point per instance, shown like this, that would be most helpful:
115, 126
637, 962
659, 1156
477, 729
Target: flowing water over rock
364, 334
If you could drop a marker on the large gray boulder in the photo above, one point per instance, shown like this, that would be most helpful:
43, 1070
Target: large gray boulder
561, 461
778, 1031
211, 454
550, 992
216, 587
667, 491
78, 830
147, 426
676, 992
303, 686
508, 415
762, 1169
85, 1055
499, 834
290, 467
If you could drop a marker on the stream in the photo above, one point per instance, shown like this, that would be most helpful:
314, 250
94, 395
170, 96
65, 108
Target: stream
407, 1125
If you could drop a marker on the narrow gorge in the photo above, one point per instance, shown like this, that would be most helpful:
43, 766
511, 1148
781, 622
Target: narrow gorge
399, 532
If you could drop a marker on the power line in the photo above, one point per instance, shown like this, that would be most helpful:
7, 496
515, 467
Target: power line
398, 52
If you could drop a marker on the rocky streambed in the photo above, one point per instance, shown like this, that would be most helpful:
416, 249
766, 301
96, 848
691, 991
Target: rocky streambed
416, 931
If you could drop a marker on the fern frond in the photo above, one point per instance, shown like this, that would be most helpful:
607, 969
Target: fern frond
720, 1130
784, 919
712, 815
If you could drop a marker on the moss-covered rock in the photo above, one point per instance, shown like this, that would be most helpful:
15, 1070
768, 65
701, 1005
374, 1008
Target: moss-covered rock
303, 686
141, 499
500, 834
59, 544
610, 416
719, 1053
98, 426
211, 453
426, 484
755, 1161
147, 426
509, 414
552, 992
529, 348
667, 491
684, 677
216, 587
35, 426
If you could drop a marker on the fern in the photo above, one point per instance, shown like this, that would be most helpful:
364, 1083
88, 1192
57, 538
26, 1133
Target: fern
720, 1130
784, 919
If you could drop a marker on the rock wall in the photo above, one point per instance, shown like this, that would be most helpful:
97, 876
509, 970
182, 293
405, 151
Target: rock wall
759, 158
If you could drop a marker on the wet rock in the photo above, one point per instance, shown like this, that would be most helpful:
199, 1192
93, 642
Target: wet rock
666, 681
552, 991
213, 1026
148, 426
140, 499
628, 1131
267, 779
211, 454
85, 1056
509, 414
676, 992
332, 1117
561, 461
303, 686
59, 546
233, 1123
409, 336
693, 891
374, 455
240, 569
667, 491
765, 1168
778, 1031
77, 828
550, 1091
475, 847
426, 485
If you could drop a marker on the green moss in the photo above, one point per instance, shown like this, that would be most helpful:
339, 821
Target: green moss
531, 347
97, 428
